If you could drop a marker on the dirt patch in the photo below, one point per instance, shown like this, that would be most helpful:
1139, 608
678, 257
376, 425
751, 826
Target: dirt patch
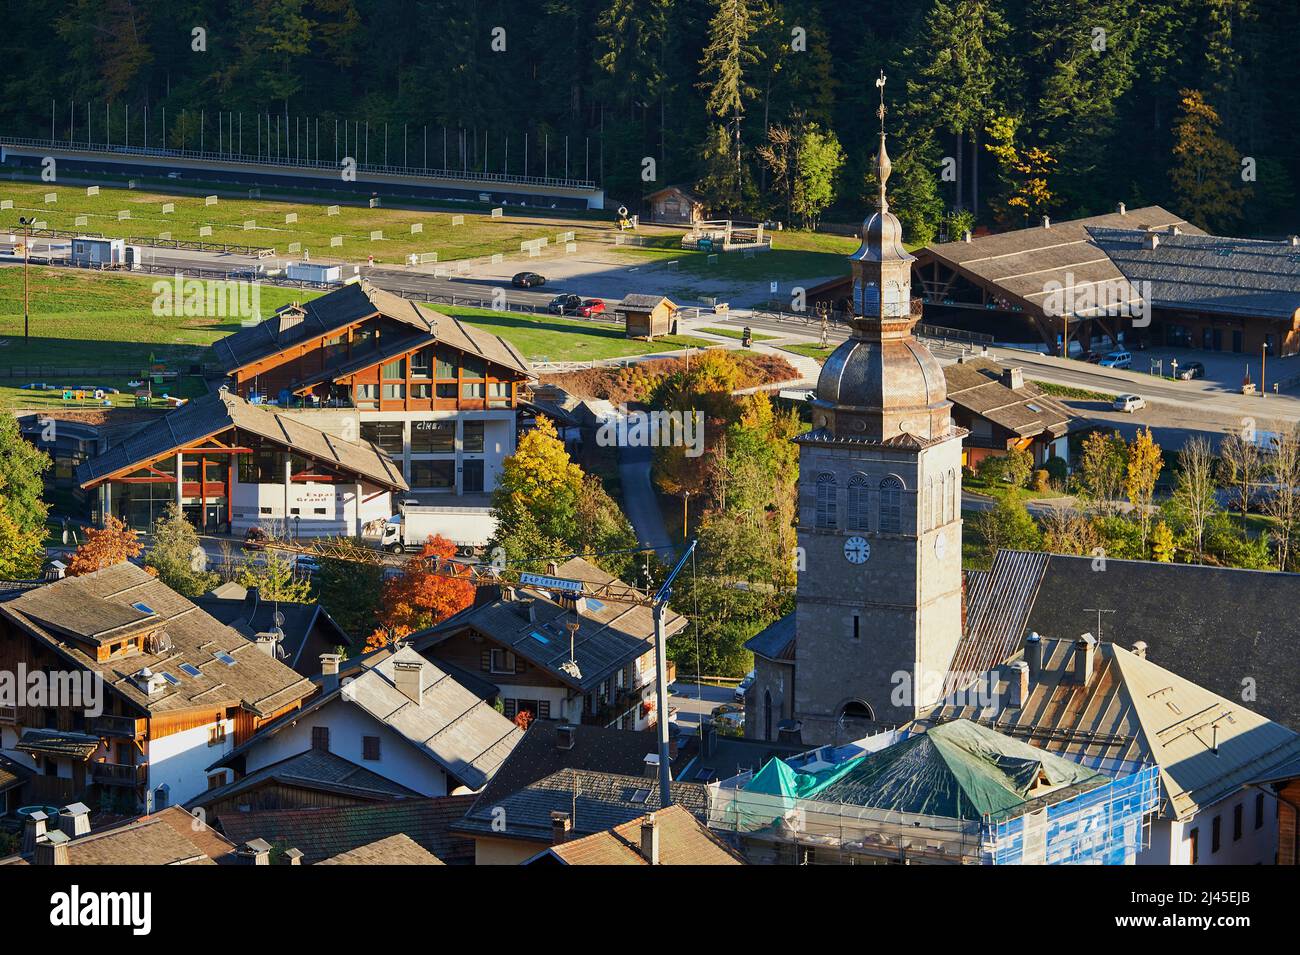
635, 382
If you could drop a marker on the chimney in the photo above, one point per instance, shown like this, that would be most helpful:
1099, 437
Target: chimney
709, 737
564, 737
34, 830
329, 671
561, 824
552, 569
790, 731
1018, 683
268, 641
1295, 240
650, 766
74, 820
1034, 654
967, 237
1140, 649
1013, 378
1085, 650
254, 852
294, 856
53, 849
1121, 209
409, 677
1174, 230
508, 594
1047, 222
650, 839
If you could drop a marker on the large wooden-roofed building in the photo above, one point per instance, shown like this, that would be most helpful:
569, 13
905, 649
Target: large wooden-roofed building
1212, 292
439, 395
232, 465
1033, 272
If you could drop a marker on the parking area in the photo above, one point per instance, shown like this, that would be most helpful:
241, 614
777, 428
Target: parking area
694, 701
1225, 370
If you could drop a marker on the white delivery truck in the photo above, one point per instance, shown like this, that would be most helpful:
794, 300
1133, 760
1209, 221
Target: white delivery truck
469, 528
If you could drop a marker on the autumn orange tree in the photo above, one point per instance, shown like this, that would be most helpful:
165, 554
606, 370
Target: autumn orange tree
105, 546
417, 597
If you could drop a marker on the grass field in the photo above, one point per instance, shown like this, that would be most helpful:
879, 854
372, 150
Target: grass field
1068, 391
794, 256
81, 318
736, 334
101, 320
551, 338
479, 234
809, 350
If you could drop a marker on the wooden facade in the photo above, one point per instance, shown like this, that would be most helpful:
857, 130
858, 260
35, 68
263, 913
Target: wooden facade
426, 376
1288, 832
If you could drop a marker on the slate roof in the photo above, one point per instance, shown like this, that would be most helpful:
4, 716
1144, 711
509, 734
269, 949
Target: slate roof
776, 640
75, 614
452, 726
1209, 273
218, 412
314, 769
323, 833
1130, 714
13, 774
348, 305
683, 840
595, 748
1215, 626
1021, 262
975, 386
596, 801
58, 743
397, 849
164, 838
246, 612
609, 637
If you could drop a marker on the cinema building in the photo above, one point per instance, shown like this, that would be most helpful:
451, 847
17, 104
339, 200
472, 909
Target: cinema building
439, 397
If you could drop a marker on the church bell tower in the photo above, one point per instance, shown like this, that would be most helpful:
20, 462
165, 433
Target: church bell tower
878, 615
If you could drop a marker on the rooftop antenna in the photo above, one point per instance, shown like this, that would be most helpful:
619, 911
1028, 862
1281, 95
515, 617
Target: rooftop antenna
570, 666
1098, 612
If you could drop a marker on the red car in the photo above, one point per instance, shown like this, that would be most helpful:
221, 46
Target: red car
590, 307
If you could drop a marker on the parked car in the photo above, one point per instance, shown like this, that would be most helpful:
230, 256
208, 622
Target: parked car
305, 565
1117, 359
255, 539
1092, 358
564, 304
590, 307
527, 280
1193, 369
743, 686
1129, 403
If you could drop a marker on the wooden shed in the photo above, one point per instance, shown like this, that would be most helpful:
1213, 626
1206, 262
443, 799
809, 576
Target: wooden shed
648, 315
675, 204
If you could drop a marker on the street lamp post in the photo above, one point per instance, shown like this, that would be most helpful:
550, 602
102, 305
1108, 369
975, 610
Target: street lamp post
26, 223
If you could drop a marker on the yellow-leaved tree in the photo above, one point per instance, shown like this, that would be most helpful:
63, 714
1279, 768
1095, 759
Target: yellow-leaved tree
1141, 471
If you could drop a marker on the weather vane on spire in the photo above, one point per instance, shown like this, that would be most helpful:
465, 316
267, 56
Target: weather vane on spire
880, 110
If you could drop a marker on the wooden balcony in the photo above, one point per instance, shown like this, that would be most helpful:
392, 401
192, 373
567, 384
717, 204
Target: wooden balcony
108, 725
119, 774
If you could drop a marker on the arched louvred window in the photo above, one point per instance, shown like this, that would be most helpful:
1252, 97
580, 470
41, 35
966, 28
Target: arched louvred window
859, 503
826, 503
933, 498
767, 714
953, 497
856, 710
891, 505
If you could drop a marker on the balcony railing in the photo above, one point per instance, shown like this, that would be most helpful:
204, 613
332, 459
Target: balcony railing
8, 714
110, 725
118, 774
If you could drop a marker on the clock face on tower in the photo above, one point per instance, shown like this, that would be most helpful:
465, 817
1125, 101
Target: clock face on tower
857, 550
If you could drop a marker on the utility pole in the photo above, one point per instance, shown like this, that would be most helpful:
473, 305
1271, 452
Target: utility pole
26, 224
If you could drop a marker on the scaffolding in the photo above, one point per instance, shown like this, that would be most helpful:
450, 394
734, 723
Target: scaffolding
1107, 825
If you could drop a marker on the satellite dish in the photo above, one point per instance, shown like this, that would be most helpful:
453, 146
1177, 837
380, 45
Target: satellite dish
622, 210
279, 619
